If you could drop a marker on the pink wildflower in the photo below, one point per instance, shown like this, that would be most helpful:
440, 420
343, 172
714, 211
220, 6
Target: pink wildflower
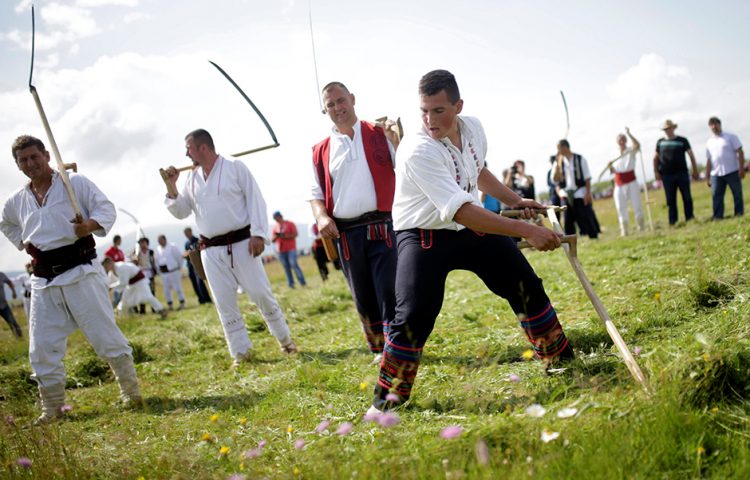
344, 429
66, 408
637, 351
482, 452
254, 453
322, 426
10, 420
299, 444
388, 419
236, 476
454, 431
262, 443
514, 378
392, 397
24, 462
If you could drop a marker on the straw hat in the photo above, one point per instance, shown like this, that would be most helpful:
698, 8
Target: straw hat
668, 124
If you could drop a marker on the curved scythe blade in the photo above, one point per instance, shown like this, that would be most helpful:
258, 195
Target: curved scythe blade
247, 99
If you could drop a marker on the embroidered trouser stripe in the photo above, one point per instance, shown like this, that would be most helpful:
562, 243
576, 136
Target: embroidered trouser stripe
420, 285
544, 332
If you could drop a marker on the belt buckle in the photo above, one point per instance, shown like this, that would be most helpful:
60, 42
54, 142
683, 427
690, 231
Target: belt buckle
55, 271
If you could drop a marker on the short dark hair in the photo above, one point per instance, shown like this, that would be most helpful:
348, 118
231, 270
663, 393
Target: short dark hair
714, 120
107, 260
435, 81
116, 238
564, 143
330, 85
26, 141
143, 239
201, 137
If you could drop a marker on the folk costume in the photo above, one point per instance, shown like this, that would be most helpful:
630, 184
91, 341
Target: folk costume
572, 190
433, 180
229, 208
627, 190
169, 263
68, 290
135, 289
355, 179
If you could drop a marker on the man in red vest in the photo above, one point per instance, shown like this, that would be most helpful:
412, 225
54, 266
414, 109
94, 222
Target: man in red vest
352, 196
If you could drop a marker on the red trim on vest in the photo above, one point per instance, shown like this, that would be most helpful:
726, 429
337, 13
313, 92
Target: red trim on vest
378, 159
621, 178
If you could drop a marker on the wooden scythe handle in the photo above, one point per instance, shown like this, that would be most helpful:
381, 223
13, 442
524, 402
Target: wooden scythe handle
517, 213
171, 189
599, 306
569, 239
61, 168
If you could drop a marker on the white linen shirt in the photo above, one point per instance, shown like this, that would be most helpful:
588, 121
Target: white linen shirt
49, 226
227, 200
353, 186
428, 193
626, 162
124, 271
722, 151
169, 256
570, 179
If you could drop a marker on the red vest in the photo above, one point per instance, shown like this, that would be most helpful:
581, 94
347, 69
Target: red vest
378, 159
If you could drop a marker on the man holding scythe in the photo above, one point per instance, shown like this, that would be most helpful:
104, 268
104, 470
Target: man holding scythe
441, 226
231, 214
68, 291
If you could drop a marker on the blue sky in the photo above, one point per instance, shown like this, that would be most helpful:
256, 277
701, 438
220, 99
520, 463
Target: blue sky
123, 80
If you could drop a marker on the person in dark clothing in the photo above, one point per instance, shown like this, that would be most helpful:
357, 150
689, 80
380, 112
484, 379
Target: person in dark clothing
199, 287
671, 169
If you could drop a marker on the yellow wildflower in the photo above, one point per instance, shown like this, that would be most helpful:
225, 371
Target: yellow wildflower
289, 429
214, 418
243, 421
657, 296
706, 357
224, 450
207, 437
363, 386
701, 450
527, 354
296, 471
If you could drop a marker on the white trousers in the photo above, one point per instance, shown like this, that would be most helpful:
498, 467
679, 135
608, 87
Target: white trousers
224, 275
172, 281
630, 192
139, 293
56, 312
27, 307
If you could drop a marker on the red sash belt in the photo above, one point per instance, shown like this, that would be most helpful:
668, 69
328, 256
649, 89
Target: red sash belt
51, 263
137, 278
621, 178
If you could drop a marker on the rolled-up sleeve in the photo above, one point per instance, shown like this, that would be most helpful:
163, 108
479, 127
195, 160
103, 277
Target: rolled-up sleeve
94, 204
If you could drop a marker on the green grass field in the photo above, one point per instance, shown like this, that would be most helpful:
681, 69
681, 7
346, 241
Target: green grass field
678, 295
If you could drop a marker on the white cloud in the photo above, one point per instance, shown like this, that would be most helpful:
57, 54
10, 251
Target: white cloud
653, 88
23, 5
135, 17
77, 22
101, 3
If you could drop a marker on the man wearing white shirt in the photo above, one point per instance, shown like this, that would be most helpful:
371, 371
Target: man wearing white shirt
68, 291
725, 162
351, 199
574, 188
231, 214
133, 284
626, 185
441, 226
169, 261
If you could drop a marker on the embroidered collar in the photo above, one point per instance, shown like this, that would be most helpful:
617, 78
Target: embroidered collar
465, 135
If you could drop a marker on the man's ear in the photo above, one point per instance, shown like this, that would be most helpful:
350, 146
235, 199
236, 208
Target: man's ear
459, 106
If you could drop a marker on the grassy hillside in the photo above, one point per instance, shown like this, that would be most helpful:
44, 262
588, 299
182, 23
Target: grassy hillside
679, 297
